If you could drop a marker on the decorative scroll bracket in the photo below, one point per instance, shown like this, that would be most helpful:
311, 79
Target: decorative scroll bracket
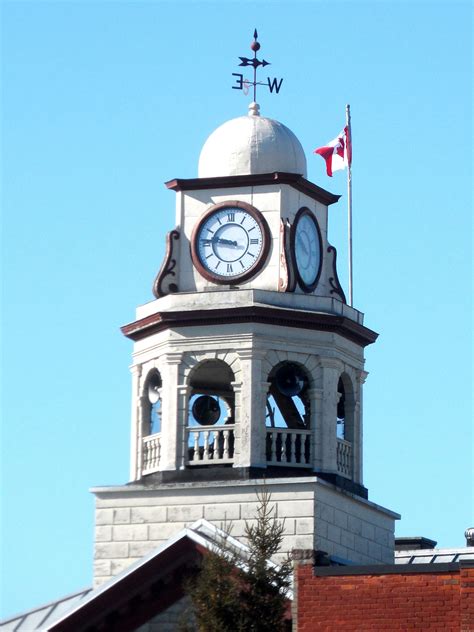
165, 282
287, 280
336, 287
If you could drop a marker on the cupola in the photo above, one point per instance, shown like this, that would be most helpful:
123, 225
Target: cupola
249, 145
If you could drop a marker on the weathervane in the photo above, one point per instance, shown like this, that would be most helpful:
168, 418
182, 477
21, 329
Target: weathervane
244, 84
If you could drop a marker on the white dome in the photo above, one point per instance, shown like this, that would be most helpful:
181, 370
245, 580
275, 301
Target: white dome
251, 144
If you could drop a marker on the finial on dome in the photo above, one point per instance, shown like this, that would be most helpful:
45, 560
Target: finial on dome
254, 109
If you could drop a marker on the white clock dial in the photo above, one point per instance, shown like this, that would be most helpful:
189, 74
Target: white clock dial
229, 242
307, 250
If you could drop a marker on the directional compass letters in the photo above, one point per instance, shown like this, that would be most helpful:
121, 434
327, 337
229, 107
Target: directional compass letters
273, 84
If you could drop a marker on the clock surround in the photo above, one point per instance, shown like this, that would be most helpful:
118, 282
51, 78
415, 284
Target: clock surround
300, 216
237, 212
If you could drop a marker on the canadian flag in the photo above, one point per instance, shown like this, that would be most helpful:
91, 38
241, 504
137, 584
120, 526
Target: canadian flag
337, 153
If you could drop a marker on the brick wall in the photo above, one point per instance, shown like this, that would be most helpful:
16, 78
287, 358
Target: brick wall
394, 598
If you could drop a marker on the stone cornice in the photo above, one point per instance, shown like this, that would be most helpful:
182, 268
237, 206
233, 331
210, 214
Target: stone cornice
225, 182
318, 321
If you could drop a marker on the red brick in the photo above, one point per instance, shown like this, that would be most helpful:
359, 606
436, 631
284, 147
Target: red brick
415, 601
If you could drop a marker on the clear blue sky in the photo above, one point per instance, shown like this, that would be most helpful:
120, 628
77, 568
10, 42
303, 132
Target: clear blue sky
103, 102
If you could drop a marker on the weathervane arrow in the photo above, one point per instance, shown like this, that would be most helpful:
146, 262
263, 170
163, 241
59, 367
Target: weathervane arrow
243, 84
253, 62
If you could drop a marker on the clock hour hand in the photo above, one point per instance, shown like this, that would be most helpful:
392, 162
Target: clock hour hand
219, 240
222, 241
228, 242
225, 242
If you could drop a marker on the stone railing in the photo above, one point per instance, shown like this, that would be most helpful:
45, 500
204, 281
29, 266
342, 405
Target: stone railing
344, 458
151, 452
210, 445
288, 447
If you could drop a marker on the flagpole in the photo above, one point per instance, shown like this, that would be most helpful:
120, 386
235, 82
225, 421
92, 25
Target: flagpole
349, 201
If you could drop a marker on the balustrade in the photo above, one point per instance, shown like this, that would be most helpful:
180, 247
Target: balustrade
151, 452
344, 458
210, 444
286, 446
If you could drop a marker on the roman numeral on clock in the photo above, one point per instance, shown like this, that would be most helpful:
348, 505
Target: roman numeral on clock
229, 267
254, 241
231, 217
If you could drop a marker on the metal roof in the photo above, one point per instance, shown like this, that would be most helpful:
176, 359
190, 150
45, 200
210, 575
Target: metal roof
40, 618
205, 534
434, 556
48, 616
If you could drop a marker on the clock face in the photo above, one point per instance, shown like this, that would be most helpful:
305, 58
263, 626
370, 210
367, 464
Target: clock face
230, 242
307, 249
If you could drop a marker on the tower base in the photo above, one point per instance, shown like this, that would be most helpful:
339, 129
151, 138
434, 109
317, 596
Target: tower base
133, 519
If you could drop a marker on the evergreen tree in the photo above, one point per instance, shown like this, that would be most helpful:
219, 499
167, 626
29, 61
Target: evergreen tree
231, 593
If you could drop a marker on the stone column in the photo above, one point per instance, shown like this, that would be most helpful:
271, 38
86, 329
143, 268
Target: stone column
357, 443
237, 388
181, 425
252, 409
316, 427
331, 370
172, 425
136, 431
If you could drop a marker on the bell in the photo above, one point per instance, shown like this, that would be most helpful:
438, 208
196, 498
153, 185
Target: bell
290, 380
154, 386
206, 410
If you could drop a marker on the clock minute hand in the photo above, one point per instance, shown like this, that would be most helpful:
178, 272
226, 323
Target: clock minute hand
303, 246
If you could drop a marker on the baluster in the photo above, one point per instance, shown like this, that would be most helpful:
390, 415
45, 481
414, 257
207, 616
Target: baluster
151, 449
272, 447
206, 445
148, 454
196, 456
225, 453
145, 456
158, 453
282, 446
292, 455
215, 454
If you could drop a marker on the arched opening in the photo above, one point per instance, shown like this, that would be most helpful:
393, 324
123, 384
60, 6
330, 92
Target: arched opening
211, 414
152, 403
151, 422
288, 413
345, 425
345, 408
341, 410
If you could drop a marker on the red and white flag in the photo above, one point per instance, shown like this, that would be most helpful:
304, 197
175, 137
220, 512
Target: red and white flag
337, 153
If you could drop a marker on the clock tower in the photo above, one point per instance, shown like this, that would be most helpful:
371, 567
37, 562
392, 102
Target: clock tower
248, 367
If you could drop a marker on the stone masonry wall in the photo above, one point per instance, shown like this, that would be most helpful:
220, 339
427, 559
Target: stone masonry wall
352, 530
132, 520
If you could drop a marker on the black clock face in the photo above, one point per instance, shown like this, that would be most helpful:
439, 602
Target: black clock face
230, 242
306, 244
